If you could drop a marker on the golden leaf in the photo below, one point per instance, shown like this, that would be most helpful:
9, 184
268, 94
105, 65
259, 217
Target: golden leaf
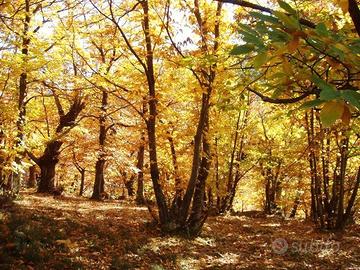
344, 4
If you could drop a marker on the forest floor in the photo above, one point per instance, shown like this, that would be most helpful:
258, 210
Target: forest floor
42, 232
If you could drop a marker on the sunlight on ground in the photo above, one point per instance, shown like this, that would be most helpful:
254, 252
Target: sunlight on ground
270, 225
188, 264
204, 241
221, 259
156, 244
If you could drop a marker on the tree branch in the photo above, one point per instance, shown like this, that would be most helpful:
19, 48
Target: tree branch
355, 15
265, 9
279, 101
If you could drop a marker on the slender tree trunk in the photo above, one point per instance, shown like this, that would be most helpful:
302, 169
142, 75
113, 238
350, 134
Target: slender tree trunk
18, 176
198, 213
129, 185
295, 206
344, 145
349, 208
178, 185
196, 158
82, 182
99, 182
140, 175
151, 122
217, 176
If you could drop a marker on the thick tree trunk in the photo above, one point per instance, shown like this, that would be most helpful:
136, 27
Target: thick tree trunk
47, 163
32, 177
99, 179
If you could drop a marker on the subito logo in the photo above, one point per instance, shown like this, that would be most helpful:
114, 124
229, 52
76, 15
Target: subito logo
279, 246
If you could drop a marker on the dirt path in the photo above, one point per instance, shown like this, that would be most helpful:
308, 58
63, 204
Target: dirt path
40, 232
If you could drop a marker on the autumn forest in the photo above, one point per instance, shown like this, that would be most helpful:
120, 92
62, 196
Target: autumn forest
179, 134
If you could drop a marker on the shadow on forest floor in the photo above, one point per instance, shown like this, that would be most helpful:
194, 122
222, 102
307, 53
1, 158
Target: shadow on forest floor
40, 232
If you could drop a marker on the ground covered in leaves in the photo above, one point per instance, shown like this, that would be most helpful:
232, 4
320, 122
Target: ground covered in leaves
41, 232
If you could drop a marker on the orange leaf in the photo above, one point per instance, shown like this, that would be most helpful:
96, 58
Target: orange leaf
344, 4
346, 116
293, 44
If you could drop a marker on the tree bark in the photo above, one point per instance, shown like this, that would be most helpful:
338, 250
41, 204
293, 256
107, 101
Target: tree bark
140, 175
151, 121
198, 213
32, 177
82, 182
99, 182
47, 163
18, 176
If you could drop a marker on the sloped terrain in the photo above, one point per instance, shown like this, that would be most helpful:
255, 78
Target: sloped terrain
39, 232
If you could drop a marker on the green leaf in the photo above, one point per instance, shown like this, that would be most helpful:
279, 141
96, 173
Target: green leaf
242, 49
279, 36
260, 59
250, 38
331, 111
289, 21
263, 17
311, 104
285, 6
278, 91
248, 29
328, 92
352, 97
322, 30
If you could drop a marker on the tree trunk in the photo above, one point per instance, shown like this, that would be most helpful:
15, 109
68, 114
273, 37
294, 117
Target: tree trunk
18, 176
99, 183
50, 157
178, 186
82, 182
129, 185
295, 206
140, 176
151, 122
99, 180
32, 177
47, 163
198, 213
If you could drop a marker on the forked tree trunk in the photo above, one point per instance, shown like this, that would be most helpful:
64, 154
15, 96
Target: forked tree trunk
330, 209
175, 218
199, 213
47, 162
